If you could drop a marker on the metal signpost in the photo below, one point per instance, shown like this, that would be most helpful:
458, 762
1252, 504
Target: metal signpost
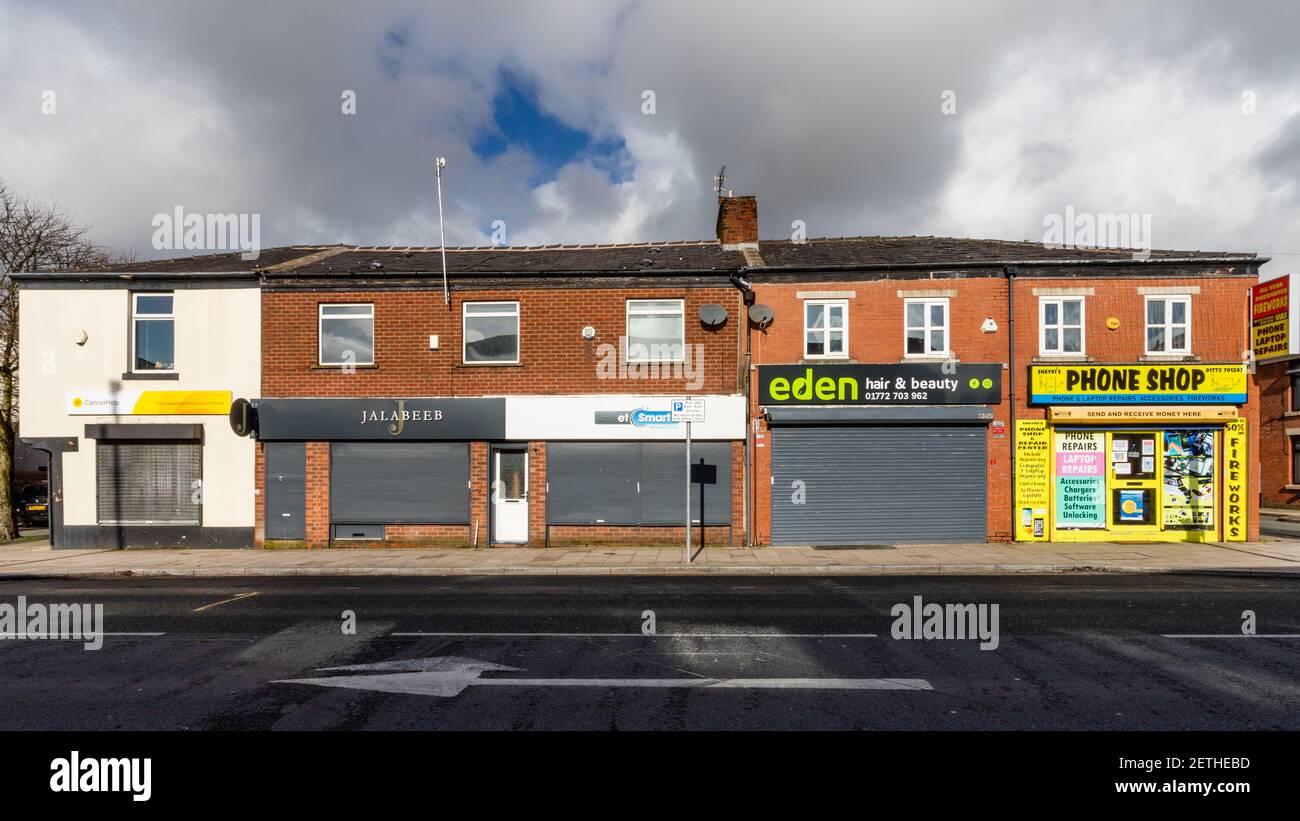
688, 411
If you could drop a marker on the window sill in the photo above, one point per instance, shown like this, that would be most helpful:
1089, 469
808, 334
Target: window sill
1291, 413
341, 367
1291, 487
488, 365
144, 376
1169, 357
929, 357
1063, 357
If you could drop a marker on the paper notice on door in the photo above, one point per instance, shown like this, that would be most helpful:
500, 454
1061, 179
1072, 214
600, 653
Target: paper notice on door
1148, 464
1123, 469
1148, 448
1118, 448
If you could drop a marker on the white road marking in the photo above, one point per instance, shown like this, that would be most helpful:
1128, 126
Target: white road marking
449, 676
643, 635
224, 601
1230, 636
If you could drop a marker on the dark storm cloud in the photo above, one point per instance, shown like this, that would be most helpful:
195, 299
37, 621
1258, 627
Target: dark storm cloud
831, 112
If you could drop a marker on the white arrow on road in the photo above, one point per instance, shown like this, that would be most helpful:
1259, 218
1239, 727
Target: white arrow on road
448, 676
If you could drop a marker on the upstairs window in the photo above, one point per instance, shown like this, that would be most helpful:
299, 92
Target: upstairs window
1169, 325
347, 334
491, 332
153, 333
656, 330
825, 329
1060, 327
926, 327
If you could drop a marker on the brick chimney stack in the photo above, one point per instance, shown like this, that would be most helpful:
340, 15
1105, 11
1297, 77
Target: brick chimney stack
738, 222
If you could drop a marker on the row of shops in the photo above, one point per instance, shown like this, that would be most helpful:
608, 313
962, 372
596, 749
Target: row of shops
1115, 452
846, 466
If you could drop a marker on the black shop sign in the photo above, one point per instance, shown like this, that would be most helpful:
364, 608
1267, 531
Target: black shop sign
909, 384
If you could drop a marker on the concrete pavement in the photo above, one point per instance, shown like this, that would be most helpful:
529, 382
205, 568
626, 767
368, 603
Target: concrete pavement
1274, 556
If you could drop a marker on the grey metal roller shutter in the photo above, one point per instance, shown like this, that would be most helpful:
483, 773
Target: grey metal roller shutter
663, 477
399, 482
871, 485
592, 483
149, 482
286, 490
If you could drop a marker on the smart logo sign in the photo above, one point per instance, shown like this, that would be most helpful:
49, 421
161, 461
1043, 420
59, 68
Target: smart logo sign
919, 384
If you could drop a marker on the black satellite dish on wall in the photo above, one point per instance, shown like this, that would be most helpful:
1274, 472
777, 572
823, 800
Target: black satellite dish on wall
243, 417
712, 316
761, 315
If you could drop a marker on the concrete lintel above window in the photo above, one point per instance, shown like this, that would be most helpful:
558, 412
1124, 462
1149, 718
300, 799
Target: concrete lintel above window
147, 430
1065, 292
932, 293
1293, 431
826, 294
1169, 290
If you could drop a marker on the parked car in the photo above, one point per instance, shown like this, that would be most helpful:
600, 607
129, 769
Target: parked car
32, 506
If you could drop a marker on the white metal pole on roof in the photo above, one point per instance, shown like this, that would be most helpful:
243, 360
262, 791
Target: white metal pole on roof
442, 236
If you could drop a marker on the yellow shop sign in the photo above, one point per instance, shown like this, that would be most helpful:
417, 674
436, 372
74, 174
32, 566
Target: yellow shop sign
142, 402
1101, 414
1138, 384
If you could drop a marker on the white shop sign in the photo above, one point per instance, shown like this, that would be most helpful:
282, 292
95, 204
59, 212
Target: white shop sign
619, 416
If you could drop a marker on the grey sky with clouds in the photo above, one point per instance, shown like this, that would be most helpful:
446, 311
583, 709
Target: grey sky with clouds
829, 112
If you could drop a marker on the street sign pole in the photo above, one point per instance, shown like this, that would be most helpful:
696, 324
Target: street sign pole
688, 411
688, 492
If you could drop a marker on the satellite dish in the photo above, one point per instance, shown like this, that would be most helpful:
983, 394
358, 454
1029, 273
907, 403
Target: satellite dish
243, 417
761, 315
712, 316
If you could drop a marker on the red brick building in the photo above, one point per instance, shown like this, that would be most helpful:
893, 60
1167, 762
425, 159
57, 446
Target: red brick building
855, 391
529, 404
1022, 355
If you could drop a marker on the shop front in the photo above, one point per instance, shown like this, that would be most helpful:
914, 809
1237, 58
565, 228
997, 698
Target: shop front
494, 470
1133, 453
864, 454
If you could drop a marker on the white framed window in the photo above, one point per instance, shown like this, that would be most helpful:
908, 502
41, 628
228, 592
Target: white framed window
1060, 326
826, 328
490, 333
925, 327
656, 330
347, 334
153, 332
1169, 325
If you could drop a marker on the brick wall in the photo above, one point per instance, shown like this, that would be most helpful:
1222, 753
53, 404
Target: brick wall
1219, 334
554, 358
875, 320
1274, 444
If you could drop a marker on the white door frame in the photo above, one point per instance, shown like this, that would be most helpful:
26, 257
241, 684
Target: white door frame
509, 516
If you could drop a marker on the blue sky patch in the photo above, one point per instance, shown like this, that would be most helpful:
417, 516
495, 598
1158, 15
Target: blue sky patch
518, 120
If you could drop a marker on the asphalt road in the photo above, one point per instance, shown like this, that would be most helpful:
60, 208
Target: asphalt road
1074, 652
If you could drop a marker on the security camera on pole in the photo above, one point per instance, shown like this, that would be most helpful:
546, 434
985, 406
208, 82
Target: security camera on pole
688, 411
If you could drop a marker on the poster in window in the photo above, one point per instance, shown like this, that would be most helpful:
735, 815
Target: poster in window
1189, 480
1080, 480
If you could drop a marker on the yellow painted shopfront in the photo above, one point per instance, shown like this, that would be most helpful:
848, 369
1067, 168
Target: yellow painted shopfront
1133, 453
